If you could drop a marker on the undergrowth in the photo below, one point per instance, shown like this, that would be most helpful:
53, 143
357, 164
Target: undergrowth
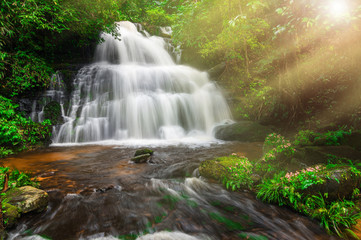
18, 133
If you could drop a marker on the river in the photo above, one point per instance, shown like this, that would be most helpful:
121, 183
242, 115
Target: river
96, 192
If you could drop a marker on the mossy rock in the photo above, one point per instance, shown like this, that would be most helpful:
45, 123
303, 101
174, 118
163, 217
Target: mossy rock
11, 214
312, 155
244, 131
216, 169
27, 199
143, 151
338, 183
217, 70
52, 111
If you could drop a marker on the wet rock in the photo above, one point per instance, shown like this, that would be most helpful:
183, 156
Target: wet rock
141, 158
52, 111
214, 169
11, 214
245, 131
28, 199
143, 151
217, 70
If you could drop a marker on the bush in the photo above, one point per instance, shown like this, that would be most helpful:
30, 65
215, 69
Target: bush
330, 138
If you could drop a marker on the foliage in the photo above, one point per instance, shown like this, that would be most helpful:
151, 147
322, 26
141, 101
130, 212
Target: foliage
158, 17
330, 138
271, 50
17, 132
287, 189
335, 216
16, 178
28, 73
239, 173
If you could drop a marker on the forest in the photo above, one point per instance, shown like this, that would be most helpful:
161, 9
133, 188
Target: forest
290, 65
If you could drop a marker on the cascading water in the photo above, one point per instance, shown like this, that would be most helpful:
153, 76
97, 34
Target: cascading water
136, 91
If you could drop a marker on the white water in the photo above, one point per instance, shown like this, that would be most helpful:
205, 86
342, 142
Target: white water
136, 91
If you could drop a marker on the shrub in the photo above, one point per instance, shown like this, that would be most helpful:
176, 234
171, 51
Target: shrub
17, 132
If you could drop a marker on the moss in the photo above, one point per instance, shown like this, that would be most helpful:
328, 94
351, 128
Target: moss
11, 214
217, 168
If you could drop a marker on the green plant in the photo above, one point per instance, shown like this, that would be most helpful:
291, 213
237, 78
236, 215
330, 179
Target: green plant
335, 216
16, 178
28, 72
276, 145
239, 174
333, 138
271, 190
304, 138
17, 132
287, 189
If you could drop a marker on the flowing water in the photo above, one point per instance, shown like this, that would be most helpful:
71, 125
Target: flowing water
96, 192
136, 96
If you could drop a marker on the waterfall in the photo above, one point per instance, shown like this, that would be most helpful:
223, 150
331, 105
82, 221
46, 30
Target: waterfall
134, 90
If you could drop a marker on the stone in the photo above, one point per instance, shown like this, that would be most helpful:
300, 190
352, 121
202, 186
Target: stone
244, 131
143, 151
28, 199
141, 158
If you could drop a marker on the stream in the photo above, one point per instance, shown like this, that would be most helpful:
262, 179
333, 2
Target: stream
96, 192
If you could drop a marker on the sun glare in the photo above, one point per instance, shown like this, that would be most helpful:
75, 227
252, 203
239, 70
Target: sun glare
338, 8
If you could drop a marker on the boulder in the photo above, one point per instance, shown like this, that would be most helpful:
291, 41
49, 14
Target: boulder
11, 214
141, 158
27, 199
217, 70
214, 169
244, 131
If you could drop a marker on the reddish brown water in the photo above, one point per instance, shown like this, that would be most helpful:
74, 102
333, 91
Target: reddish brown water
96, 191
